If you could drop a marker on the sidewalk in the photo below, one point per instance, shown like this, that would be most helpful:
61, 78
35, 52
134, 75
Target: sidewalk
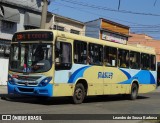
3, 89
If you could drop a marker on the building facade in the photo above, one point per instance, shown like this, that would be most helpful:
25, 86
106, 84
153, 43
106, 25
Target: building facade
57, 22
107, 30
17, 15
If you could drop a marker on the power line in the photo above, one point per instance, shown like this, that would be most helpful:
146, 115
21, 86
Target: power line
108, 9
119, 4
155, 2
80, 9
136, 25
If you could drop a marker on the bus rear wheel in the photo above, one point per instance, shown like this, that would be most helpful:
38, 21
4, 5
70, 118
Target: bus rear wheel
79, 94
134, 91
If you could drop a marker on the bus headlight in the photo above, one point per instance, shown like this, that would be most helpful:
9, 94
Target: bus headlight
45, 81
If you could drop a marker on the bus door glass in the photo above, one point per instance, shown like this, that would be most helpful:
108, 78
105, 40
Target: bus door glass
63, 56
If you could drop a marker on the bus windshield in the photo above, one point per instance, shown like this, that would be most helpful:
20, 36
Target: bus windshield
30, 57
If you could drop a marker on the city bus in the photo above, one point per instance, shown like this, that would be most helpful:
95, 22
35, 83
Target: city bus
52, 63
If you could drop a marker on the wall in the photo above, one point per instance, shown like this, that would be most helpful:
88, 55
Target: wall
31, 4
115, 28
65, 22
3, 71
93, 28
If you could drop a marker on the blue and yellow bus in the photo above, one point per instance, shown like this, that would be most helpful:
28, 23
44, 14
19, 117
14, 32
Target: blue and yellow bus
51, 63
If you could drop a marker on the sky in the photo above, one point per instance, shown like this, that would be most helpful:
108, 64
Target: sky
142, 16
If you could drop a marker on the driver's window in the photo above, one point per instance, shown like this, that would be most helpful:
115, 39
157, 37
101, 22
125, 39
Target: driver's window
63, 54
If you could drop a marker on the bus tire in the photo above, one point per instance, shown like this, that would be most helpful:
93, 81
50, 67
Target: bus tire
79, 94
134, 91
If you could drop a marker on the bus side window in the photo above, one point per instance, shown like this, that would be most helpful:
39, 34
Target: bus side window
57, 52
110, 56
80, 52
123, 58
134, 60
145, 61
96, 54
63, 56
153, 62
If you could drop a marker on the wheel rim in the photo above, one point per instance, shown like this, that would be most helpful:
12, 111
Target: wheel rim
79, 94
134, 92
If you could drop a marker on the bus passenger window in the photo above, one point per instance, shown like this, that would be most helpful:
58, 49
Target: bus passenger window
153, 62
110, 56
63, 57
145, 61
134, 60
80, 52
96, 54
123, 58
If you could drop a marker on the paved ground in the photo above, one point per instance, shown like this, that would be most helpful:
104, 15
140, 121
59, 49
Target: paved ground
145, 104
3, 89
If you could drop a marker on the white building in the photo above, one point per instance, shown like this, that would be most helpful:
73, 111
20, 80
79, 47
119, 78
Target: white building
15, 15
57, 22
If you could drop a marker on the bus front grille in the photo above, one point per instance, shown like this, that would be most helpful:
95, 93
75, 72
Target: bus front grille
27, 83
26, 89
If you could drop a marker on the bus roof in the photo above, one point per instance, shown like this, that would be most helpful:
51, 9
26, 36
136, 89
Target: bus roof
138, 48
63, 34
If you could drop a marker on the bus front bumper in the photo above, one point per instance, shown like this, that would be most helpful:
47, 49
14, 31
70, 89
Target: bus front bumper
31, 90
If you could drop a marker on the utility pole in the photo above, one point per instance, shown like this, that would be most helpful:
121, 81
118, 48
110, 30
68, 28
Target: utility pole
44, 13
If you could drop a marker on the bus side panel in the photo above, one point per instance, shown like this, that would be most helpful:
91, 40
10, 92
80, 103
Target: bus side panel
65, 80
61, 85
111, 81
94, 77
146, 88
145, 78
63, 89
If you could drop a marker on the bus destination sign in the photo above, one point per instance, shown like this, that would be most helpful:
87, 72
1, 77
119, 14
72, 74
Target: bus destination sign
33, 36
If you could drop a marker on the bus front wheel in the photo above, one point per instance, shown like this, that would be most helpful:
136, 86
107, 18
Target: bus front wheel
79, 94
134, 91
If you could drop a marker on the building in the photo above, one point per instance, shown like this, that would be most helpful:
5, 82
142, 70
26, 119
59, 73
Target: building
107, 30
57, 22
17, 15
147, 41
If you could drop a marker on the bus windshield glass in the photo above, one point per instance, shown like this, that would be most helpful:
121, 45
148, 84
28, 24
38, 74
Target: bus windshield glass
30, 57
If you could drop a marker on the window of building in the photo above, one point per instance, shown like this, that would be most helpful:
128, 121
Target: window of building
80, 52
75, 31
30, 27
4, 51
95, 54
63, 56
145, 61
134, 60
110, 56
123, 58
153, 62
7, 25
58, 28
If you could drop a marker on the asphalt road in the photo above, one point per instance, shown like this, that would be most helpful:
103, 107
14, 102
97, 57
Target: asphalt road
145, 104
